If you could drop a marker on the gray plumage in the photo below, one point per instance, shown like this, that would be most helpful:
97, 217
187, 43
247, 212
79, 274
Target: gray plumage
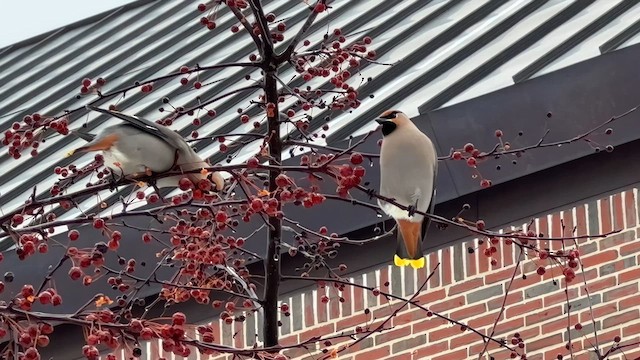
408, 170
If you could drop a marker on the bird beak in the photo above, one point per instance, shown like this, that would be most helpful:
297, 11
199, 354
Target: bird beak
381, 121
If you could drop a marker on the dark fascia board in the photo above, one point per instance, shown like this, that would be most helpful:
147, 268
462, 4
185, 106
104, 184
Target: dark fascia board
36, 39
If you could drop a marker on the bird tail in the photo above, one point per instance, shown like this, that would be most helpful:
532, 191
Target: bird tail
409, 251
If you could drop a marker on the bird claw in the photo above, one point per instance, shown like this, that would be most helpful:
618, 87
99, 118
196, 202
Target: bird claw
411, 209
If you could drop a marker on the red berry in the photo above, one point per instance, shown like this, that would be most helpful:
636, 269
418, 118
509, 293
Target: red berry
356, 158
541, 270
617, 339
469, 148
257, 204
98, 223
73, 235
252, 163
499, 133
185, 184
75, 273
471, 162
17, 219
221, 216
179, 318
86, 82
197, 85
484, 183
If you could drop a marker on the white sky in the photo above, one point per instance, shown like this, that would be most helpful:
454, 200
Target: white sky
22, 19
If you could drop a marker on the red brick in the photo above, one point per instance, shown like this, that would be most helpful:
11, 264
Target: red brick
472, 268
384, 278
352, 321
334, 304
605, 339
288, 340
581, 221
597, 285
631, 275
465, 286
543, 226
630, 208
560, 323
508, 327
522, 309
605, 215
631, 248
530, 333
435, 279
599, 258
321, 308
501, 275
378, 353
543, 315
519, 282
631, 330
545, 342
408, 316
507, 253
483, 321
632, 315
463, 340
460, 354
556, 225
620, 292
427, 324
430, 350
483, 263
390, 335
476, 348
514, 297
318, 331
429, 296
309, 311
553, 353
618, 215
567, 218
447, 305
560, 297
630, 302
598, 312
447, 266
469, 312
445, 333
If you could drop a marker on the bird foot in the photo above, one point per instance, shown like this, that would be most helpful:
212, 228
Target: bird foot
411, 209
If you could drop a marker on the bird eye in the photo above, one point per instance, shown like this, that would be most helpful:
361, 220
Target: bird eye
390, 115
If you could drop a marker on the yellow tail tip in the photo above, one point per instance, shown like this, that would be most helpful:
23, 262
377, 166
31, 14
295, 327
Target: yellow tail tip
416, 264
70, 153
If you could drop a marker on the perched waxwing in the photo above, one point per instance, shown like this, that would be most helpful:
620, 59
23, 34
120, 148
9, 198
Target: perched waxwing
141, 147
408, 170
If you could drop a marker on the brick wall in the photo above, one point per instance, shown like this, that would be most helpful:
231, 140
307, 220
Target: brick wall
469, 289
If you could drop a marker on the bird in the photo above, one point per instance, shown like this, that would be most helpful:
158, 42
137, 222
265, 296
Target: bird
408, 171
140, 147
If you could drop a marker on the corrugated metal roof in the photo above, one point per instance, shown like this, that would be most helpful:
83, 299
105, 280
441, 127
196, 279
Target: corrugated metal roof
444, 52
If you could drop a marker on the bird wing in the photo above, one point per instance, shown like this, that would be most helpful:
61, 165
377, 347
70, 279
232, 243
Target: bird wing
147, 126
427, 221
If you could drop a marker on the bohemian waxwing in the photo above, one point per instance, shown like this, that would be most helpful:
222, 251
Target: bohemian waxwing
408, 170
138, 147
